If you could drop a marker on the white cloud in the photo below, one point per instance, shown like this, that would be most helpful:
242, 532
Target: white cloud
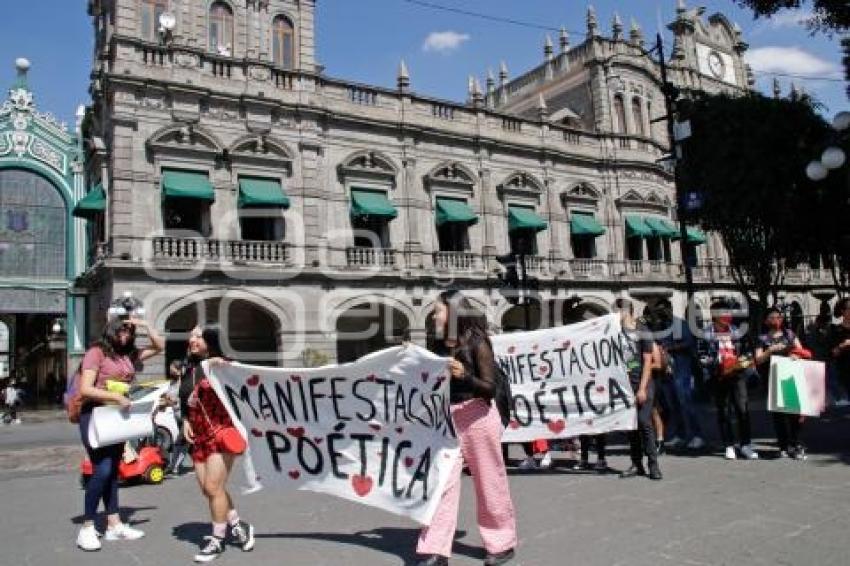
789, 19
792, 61
444, 41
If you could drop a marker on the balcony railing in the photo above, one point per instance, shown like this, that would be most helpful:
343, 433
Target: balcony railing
370, 257
588, 267
634, 267
455, 261
534, 263
200, 249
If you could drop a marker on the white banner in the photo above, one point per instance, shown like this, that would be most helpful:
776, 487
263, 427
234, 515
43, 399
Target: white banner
796, 387
568, 381
377, 431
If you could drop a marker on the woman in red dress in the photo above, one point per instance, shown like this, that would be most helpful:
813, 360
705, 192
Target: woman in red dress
204, 418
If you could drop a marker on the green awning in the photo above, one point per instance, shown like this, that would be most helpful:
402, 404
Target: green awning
454, 210
696, 236
524, 218
92, 204
636, 227
261, 192
661, 228
371, 203
187, 184
585, 225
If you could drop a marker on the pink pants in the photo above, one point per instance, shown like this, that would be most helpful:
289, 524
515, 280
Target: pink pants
479, 431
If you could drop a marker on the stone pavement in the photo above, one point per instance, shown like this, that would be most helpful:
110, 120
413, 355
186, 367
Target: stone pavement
706, 511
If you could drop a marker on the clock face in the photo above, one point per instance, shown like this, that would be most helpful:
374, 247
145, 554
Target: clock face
716, 64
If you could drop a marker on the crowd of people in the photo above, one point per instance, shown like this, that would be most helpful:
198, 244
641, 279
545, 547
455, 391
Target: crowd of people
667, 359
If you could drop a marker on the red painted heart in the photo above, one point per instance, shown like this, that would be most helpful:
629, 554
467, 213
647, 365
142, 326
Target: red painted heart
557, 427
256, 432
399, 429
600, 389
362, 485
513, 424
408, 462
318, 439
511, 349
589, 422
294, 474
297, 432
593, 374
534, 347
566, 344
295, 378
425, 376
253, 381
375, 427
544, 369
371, 377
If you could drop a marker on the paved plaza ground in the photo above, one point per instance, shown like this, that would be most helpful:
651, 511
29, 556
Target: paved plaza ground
706, 511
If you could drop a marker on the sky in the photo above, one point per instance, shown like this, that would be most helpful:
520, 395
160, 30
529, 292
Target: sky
363, 41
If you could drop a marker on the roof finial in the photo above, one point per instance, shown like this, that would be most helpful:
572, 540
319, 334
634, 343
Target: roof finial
617, 27
491, 81
475, 94
542, 109
403, 78
503, 73
22, 65
636, 34
548, 48
592, 23
564, 40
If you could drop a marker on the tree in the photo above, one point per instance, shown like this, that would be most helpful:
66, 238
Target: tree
827, 15
748, 155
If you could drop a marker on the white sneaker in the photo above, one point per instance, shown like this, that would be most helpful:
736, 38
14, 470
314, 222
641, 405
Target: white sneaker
123, 532
528, 464
16, 421
674, 442
87, 538
842, 403
748, 452
730, 453
546, 461
696, 443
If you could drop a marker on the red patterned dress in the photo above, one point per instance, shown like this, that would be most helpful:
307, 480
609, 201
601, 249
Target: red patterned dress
206, 414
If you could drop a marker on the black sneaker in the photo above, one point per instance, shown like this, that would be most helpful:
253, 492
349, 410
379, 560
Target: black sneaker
633, 471
581, 465
655, 472
244, 534
500, 558
213, 548
433, 560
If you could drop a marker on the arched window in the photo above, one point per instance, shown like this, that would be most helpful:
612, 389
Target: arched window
637, 116
620, 113
283, 42
151, 10
221, 29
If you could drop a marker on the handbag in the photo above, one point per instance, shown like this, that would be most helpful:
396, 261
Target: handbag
227, 437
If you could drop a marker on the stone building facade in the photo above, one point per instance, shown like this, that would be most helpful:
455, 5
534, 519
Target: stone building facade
319, 218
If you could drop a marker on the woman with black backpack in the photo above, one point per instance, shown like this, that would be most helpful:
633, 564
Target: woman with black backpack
462, 334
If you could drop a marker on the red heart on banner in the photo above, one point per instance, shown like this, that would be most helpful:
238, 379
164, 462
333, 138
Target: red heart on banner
362, 485
544, 369
589, 422
399, 429
600, 389
294, 474
534, 347
513, 424
424, 376
371, 377
593, 374
318, 439
565, 344
253, 381
297, 432
375, 427
256, 432
511, 349
557, 426
408, 462
295, 378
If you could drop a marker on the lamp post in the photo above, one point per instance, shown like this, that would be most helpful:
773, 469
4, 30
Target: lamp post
671, 98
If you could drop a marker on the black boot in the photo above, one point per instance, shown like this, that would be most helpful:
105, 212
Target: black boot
500, 558
433, 560
655, 471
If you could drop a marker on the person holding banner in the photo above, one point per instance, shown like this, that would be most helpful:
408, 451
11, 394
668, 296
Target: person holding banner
781, 341
107, 367
462, 334
215, 444
640, 361
840, 343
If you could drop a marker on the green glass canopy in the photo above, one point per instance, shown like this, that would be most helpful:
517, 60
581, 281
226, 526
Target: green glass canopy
585, 225
187, 184
261, 192
524, 218
372, 203
92, 204
661, 228
454, 210
636, 227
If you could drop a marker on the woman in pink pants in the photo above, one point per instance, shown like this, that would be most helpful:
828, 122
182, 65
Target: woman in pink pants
462, 334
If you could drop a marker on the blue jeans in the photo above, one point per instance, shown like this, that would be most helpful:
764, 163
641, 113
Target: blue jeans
103, 484
688, 419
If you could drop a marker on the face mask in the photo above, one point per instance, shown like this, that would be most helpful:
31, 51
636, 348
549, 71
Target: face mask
725, 320
775, 324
